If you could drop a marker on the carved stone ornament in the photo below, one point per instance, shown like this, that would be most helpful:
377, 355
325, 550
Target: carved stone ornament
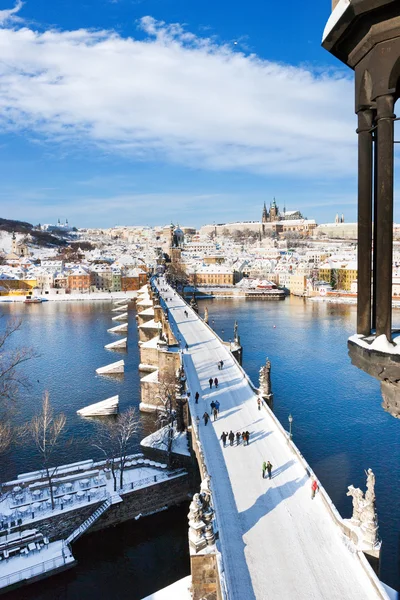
364, 511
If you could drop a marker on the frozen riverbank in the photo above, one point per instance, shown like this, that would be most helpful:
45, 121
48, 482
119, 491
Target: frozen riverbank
343, 300
74, 297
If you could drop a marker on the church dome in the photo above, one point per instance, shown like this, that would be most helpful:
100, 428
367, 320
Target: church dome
179, 236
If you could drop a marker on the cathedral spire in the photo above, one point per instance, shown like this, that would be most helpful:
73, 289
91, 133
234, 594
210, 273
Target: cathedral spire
264, 214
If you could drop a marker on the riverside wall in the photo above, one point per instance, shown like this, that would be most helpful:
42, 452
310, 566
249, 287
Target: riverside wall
138, 503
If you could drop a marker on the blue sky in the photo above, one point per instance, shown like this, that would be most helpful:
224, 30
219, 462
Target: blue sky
150, 111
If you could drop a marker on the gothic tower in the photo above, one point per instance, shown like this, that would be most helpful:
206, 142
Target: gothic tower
264, 214
14, 248
274, 212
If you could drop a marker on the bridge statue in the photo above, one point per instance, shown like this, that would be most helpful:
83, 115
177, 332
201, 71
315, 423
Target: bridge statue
201, 532
193, 303
364, 512
265, 383
206, 315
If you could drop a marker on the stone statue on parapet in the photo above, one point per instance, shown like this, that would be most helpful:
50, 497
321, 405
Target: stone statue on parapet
265, 380
358, 497
201, 531
206, 315
195, 509
370, 493
193, 303
364, 511
205, 493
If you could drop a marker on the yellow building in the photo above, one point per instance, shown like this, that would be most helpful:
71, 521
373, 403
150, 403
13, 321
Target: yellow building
213, 260
212, 275
340, 276
298, 284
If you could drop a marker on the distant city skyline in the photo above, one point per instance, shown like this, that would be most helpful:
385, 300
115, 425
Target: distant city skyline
146, 112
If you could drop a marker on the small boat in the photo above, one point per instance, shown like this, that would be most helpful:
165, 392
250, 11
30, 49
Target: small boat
33, 300
119, 328
117, 345
112, 369
123, 317
103, 408
120, 308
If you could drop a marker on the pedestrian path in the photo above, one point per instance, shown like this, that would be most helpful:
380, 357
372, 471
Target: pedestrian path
276, 542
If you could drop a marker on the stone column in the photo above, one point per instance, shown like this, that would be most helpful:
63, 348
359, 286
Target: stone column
364, 254
384, 222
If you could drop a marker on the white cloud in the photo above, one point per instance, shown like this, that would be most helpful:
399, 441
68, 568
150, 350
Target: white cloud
176, 97
9, 14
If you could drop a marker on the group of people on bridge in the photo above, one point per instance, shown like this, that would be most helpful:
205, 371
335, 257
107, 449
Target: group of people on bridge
245, 436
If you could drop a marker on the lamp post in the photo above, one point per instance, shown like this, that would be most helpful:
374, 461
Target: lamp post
290, 419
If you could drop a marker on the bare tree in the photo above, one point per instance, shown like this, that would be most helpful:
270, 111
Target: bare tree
166, 413
6, 436
47, 432
114, 438
11, 378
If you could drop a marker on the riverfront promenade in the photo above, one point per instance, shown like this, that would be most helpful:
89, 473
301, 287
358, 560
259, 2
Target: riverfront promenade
276, 541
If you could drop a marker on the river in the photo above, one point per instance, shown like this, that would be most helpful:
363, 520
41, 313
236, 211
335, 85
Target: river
338, 424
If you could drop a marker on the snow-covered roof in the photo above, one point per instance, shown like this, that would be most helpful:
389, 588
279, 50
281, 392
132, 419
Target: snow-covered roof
335, 16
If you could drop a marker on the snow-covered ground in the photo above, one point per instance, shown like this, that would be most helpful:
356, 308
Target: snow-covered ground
380, 343
276, 541
159, 441
33, 563
180, 590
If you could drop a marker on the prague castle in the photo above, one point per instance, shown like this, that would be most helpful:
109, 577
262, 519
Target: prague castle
272, 223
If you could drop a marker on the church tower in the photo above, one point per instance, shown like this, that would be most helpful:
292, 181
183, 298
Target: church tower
264, 218
274, 212
14, 248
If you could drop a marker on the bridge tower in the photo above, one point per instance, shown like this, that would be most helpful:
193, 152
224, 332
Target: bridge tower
365, 35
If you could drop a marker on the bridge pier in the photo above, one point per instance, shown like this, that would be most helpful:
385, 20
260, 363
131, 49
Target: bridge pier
205, 578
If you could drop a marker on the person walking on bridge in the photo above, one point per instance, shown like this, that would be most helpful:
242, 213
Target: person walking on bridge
196, 397
223, 438
216, 382
206, 417
259, 403
231, 437
215, 413
210, 381
238, 436
269, 469
264, 468
217, 405
212, 405
221, 362
314, 488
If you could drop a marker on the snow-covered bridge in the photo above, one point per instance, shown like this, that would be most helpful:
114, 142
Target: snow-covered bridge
276, 542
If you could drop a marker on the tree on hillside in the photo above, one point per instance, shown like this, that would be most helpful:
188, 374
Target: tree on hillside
114, 438
47, 431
